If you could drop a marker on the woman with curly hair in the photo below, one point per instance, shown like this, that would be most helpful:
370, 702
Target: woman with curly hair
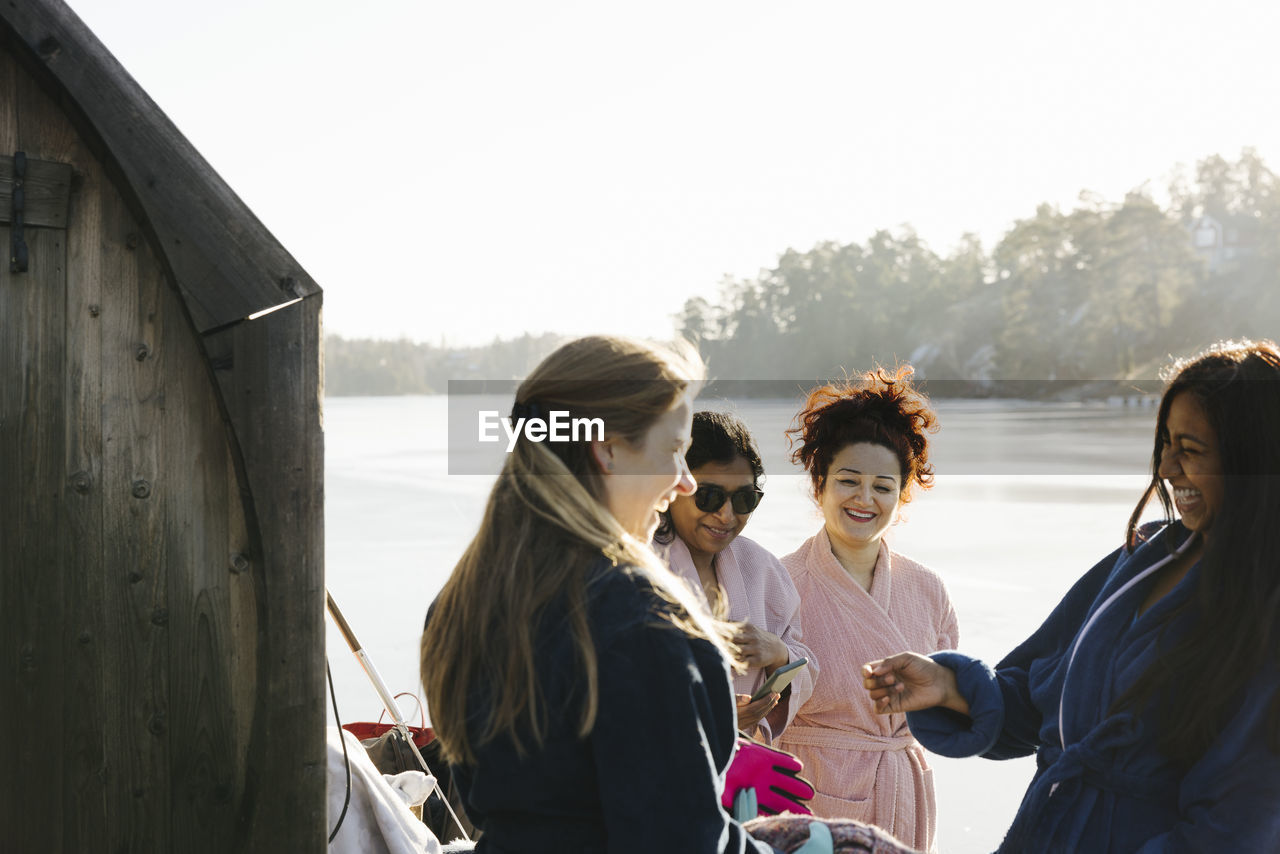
864, 446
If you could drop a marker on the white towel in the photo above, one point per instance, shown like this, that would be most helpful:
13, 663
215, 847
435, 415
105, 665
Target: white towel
378, 819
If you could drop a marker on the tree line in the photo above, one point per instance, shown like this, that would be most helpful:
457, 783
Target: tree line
370, 366
1081, 298
1104, 292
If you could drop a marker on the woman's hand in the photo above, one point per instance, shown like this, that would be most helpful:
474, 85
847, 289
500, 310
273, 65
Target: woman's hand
750, 714
761, 648
908, 682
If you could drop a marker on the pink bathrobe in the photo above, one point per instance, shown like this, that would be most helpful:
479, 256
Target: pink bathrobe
758, 591
866, 766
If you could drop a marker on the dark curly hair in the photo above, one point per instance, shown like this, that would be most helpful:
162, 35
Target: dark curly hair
881, 407
717, 437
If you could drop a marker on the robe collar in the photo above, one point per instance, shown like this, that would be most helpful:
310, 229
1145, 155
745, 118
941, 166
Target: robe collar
725, 563
1118, 647
824, 559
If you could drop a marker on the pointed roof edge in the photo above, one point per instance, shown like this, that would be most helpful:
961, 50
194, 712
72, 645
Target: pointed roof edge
225, 262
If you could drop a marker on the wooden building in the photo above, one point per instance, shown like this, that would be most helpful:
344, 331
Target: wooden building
161, 480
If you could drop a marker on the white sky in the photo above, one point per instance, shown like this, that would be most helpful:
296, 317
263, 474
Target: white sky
455, 171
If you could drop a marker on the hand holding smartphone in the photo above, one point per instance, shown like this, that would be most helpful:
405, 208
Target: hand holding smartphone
780, 679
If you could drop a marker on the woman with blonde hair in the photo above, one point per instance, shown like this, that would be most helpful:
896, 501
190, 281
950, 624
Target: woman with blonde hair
582, 695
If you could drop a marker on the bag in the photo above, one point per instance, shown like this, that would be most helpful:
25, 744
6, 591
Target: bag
366, 732
390, 754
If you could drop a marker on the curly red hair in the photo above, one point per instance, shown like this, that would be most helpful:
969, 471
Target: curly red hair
882, 408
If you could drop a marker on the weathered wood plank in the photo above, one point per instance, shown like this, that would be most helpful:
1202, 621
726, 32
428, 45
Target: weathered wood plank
270, 374
46, 189
34, 371
9, 74
203, 526
135, 598
81, 550
227, 265
242, 649
31, 587
51, 143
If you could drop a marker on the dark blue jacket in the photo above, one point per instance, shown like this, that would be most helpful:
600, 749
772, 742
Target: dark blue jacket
1110, 789
648, 778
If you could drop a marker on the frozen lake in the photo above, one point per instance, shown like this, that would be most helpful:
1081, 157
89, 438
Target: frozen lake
1027, 497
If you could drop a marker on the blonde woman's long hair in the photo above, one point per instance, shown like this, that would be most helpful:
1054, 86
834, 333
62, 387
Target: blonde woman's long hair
544, 526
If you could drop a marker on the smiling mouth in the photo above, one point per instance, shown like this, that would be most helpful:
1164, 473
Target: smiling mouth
859, 515
718, 533
1186, 496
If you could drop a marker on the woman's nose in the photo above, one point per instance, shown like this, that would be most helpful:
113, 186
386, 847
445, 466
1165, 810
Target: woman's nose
725, 513
686, 485
1170, 465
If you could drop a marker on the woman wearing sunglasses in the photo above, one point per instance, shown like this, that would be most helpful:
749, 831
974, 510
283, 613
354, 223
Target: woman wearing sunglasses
739, 579
864, 447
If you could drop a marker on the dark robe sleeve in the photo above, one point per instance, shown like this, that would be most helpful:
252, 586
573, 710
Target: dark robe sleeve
663, 735
1004, 722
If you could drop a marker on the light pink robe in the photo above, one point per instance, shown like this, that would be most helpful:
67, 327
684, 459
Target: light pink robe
759, 591
866, 766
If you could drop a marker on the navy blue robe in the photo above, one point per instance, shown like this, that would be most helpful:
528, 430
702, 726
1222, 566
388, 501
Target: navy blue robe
1110, 789
649, 776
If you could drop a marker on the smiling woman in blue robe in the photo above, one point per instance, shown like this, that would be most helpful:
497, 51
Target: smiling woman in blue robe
1150, 694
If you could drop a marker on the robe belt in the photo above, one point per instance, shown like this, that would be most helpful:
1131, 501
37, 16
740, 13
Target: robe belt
1064, 774
817, 736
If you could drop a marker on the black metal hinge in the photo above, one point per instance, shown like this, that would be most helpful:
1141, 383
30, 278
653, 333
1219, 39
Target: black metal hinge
18, 246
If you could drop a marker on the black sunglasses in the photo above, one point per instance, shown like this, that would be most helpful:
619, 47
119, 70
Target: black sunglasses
709, 498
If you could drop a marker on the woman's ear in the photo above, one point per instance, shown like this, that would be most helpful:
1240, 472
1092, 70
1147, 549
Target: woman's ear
602, 453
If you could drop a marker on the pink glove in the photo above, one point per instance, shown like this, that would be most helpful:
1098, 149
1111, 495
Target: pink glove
774, 774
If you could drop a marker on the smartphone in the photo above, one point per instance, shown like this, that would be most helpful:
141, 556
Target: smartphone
779, 679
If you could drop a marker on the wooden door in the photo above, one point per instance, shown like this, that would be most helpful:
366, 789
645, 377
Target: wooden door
130, 595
